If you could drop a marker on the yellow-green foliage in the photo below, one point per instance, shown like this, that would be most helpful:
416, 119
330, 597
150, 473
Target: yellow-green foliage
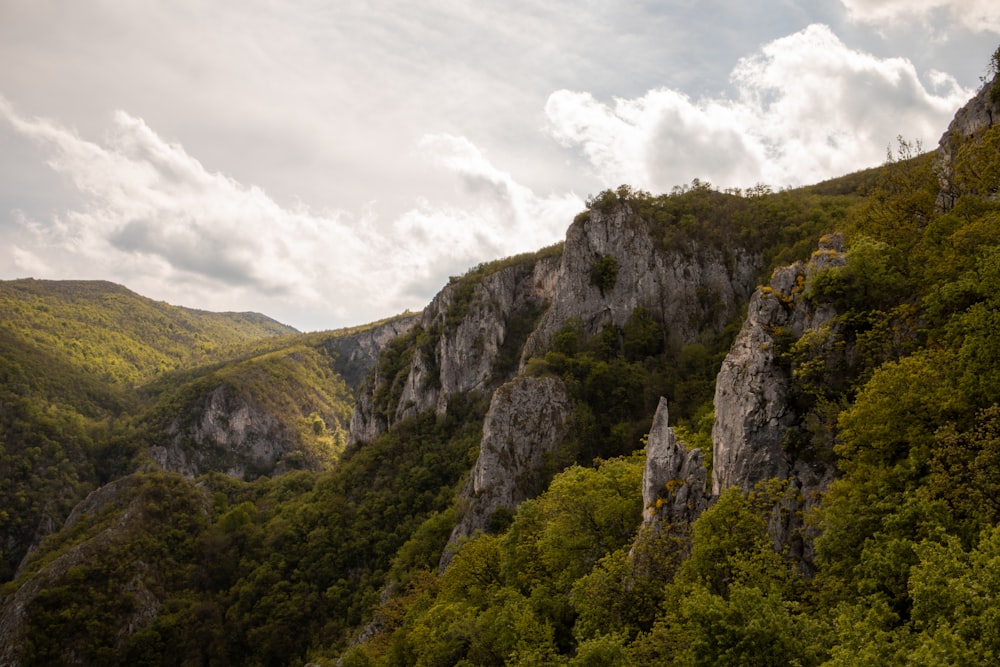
80, 363
116, 335
900, 391
295, 385
510, 594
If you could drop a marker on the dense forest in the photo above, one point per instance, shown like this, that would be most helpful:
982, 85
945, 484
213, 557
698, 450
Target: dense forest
340, 553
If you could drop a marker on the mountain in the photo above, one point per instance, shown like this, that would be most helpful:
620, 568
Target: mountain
710, 427
98, 382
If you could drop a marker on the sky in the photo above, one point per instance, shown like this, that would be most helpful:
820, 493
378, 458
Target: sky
332, 162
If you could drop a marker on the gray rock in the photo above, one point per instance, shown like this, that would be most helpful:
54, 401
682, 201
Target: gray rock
752, 408
466, 351
674, 480
689, 289
358, 352
528, 419
232, 434
978, 114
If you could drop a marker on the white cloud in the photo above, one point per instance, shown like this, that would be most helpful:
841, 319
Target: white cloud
518, 219
974, 15
157, 220
654, 140
806, 108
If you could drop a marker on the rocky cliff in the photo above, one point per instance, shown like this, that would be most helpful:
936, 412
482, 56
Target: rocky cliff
474, 328
280, 410
675, 479
611, 266
753, 408
468, 339
526, 422
232, 433
979, 114
358, 352
694, 292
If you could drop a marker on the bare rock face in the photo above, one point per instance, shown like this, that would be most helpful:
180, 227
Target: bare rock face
467, 353
358, 352
979, 114
674, 481
475, 342
752, 408
471, 343
527, 419
689, 289
232, 434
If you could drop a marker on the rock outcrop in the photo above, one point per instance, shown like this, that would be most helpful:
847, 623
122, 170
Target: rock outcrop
357, 352
232, 433
753, 410
468, 339
690, 289
527, 421
468, 336
674, 480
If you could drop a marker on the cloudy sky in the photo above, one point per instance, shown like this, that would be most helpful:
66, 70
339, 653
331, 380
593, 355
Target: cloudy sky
332, 162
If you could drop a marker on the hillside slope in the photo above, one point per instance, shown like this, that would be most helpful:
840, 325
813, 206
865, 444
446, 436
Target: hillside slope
97, 381
710, 428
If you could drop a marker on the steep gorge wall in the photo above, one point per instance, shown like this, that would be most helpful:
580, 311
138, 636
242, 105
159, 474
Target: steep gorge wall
693, 293
232, 433
268, 419
468, 339
358, 352
527, 421
690, 289
753, 407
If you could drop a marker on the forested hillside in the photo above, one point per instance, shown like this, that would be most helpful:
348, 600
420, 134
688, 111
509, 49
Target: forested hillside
511, 489
96, 380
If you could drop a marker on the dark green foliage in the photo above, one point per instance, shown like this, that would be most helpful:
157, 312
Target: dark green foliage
271, 568
520, 325
899, 391
604, 274
141, 548
618, 376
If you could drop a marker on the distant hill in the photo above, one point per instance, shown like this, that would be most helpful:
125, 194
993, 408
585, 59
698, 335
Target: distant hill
97, 381
116, 334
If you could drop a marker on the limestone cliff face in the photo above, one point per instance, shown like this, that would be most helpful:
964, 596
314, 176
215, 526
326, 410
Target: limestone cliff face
358, 352
689, 289
232, 433
470, 340
463, 343
979, 114
527, 420
753, 410
674, 480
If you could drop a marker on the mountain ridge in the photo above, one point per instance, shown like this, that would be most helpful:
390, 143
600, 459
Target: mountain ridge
756, 426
